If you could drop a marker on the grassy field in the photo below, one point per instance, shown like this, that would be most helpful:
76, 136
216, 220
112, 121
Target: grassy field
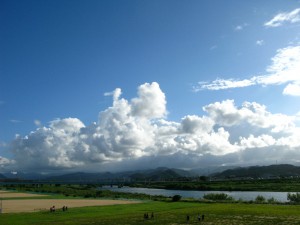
165, 211
169, 213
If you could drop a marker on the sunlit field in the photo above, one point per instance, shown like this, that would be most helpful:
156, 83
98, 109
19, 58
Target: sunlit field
164, 213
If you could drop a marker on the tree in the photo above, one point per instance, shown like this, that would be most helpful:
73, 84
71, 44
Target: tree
293, 197
203, 178
176, 198
260, 199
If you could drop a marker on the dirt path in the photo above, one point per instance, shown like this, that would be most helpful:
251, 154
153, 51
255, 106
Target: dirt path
32, 205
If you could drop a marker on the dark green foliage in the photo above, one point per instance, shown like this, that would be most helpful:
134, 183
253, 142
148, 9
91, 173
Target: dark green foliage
176, 198
288, 185
203, 178
260, 199
218, 197
295, 198
272, 201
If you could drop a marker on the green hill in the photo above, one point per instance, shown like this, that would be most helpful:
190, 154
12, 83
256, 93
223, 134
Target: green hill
272, 171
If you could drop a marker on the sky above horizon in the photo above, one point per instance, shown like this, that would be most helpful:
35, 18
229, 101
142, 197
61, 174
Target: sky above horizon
119, 85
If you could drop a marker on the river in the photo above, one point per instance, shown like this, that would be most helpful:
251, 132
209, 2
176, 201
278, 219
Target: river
244, 195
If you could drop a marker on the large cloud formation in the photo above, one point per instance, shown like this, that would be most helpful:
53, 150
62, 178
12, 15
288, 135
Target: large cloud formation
135, 133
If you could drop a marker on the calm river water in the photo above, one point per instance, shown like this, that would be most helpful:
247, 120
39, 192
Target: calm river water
244, 195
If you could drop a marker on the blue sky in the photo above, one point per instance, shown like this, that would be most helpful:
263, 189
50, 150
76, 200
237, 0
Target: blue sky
191, 73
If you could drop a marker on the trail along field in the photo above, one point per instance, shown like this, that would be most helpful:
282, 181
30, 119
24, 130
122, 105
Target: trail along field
32, 205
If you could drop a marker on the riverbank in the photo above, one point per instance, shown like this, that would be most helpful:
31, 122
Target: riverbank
276, 185
246, 196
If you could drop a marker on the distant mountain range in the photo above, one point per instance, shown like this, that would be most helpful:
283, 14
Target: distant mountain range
163, 173
272, 171
157, 174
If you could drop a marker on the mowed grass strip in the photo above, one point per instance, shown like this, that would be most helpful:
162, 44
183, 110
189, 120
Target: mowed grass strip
164, 213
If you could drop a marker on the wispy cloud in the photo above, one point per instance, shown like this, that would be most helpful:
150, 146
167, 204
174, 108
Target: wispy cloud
285, 17
213, 47
15, 121
260, 42
221, 84
38, 123
284, 69
240, 26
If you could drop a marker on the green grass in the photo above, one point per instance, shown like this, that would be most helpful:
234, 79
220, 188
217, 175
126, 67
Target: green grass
169, 213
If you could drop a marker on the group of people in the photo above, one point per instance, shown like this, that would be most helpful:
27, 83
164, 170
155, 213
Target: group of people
146, 216
200, 217
64, 208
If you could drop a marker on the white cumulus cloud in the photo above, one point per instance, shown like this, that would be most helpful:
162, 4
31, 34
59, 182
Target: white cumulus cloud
292, 89
150, 103
136, 133
226, 113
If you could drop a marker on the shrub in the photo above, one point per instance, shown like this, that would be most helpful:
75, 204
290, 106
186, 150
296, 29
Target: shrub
218, 197
176, 198
260, 199
98, 193
294, 197
87, 196
272, 200
203, 178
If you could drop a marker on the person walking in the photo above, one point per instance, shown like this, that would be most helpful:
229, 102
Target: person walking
187, 218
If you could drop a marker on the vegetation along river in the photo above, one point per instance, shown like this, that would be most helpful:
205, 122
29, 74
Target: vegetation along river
244, 195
